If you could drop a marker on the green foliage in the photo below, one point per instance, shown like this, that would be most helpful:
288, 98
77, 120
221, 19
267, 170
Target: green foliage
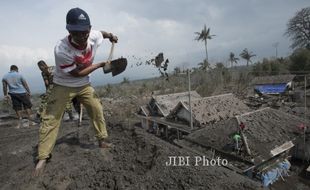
125, 80
222, 73
219, 66
245, 54
300, 61
204, 36
204, 65
233, 59
270, 67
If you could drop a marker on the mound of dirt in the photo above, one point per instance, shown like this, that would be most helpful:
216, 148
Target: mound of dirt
137, 161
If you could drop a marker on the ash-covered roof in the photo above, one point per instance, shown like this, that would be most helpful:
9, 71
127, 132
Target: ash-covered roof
276, 79
214, 108
268, 128
144, 110
265, 130
167, 102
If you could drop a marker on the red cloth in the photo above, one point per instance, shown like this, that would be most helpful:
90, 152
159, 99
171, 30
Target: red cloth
242, 126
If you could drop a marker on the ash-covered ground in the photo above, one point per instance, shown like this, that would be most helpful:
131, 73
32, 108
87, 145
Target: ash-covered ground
137, 161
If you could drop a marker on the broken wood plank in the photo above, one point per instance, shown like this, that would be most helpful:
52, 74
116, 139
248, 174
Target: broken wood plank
286, 146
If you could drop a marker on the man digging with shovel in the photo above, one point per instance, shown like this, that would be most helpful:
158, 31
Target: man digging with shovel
74, 57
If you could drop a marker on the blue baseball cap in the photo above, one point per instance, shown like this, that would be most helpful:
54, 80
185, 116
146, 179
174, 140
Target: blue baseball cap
77, 20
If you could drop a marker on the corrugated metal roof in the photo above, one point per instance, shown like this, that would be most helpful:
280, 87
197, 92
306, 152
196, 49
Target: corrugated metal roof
276, 79
168, 101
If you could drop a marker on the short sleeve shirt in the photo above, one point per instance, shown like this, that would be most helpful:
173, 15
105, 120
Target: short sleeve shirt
67, 58
14, 81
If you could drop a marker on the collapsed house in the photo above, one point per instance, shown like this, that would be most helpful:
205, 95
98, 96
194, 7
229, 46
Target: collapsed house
257, 144
207, 110
160, 106
177, 123
277, 84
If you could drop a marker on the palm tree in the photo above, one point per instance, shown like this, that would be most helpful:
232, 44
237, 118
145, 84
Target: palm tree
233, 59
204, 35
245, 54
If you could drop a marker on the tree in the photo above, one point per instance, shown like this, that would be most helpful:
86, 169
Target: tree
204, 36
270, 67
177, 70
233, 59
125, 80
204, 65
219, 66
298, 29
245, 54
300, 61
222, 72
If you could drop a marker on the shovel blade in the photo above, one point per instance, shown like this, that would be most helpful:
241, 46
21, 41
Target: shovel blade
118, 66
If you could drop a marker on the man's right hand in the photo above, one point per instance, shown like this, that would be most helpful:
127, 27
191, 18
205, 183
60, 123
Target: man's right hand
7, 98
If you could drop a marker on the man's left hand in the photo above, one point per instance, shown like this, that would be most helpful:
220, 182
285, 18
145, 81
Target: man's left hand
113, 38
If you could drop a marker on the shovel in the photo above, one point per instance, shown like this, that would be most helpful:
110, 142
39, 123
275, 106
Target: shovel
116, 66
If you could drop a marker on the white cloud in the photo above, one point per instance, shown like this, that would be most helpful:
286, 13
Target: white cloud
26, 59
22, 55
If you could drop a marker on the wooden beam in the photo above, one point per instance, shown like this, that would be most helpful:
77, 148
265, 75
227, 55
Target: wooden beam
163, 121
282, 148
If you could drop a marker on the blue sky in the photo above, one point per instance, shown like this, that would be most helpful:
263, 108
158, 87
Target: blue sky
30, 29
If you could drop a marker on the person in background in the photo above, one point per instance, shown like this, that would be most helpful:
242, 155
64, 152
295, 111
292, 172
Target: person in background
74, 56
47, 75
16, 90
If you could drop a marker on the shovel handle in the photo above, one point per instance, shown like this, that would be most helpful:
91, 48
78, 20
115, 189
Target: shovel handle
107, 66
111, 52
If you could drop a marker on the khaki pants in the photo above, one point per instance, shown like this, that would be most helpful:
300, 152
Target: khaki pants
57, 99
44, 102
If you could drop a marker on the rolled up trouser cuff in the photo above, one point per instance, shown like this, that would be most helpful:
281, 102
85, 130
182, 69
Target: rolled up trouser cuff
42, 157
101, 137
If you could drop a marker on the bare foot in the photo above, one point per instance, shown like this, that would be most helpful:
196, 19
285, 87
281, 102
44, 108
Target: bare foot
39, 168
105, 144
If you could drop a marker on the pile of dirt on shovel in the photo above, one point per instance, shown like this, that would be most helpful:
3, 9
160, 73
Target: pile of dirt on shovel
137, 161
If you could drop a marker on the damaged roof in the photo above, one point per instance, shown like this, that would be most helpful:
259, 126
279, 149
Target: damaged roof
167, 102
144, 111
276, 79
266, 131
213, 108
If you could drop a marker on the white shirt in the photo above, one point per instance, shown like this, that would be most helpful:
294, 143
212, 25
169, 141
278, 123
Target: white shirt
67, 58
